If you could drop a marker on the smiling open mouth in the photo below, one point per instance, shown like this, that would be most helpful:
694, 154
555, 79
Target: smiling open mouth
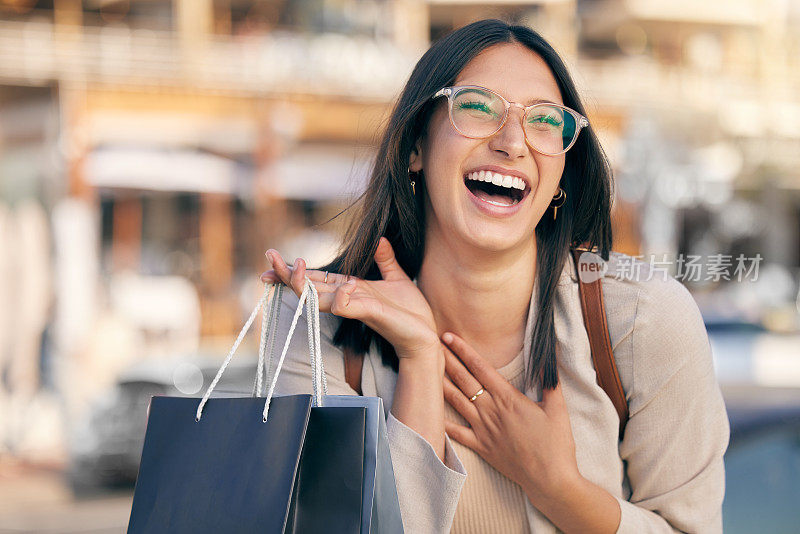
495, 188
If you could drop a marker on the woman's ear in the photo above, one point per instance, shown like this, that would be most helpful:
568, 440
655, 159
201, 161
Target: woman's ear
415, 159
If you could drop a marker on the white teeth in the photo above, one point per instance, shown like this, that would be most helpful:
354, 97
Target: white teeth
497, 179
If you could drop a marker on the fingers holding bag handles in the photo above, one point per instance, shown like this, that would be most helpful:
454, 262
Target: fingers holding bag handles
328, 284
309, 298
393, 306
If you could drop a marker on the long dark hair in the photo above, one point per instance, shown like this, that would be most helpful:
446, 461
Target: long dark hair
388, 207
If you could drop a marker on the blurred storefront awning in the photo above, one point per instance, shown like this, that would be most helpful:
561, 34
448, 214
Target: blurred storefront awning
318, 172
160, 170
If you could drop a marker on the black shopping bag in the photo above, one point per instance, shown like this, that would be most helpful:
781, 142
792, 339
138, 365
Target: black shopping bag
287, 464
381, 508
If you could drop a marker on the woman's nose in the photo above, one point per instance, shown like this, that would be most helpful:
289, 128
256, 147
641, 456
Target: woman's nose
510, 139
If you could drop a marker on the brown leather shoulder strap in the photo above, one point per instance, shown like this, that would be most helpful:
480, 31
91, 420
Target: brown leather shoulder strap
353, 364
594, 319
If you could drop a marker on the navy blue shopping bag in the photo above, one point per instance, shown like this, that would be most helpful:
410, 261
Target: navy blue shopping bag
274, 464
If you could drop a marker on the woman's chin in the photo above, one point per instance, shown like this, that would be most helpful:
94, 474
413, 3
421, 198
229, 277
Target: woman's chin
496, 240
479, 234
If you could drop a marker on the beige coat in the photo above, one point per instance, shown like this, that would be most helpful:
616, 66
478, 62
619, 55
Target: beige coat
667, 473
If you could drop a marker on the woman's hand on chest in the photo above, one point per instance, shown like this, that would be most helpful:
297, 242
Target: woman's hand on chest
529, 442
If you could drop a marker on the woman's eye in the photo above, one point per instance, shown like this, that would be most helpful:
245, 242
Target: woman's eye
545, 121
477, 106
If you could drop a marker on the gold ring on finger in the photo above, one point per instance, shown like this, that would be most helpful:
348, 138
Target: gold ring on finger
478, 394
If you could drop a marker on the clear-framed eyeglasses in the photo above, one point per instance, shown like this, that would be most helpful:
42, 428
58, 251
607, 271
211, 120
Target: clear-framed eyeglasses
477, 112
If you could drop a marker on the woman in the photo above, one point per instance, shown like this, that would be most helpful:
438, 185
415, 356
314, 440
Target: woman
456, 284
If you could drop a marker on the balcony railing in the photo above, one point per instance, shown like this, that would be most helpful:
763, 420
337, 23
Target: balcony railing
37, 52
327, 64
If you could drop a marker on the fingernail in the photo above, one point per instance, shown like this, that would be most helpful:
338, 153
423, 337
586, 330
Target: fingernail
447, 337
269, 258
351, 282
296, 262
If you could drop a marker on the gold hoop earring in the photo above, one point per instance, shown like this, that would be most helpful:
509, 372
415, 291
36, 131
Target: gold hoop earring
558, 201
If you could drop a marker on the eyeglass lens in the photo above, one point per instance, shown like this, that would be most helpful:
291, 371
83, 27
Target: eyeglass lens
478, 113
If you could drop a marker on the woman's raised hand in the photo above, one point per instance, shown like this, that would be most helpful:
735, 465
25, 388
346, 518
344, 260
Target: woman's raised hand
393, 307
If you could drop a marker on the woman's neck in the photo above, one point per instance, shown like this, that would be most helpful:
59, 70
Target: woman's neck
481, 296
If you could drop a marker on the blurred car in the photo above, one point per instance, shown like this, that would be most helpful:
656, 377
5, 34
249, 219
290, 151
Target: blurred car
759, 373
106, 447
762, 463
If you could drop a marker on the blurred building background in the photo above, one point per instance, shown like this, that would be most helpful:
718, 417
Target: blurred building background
152, 150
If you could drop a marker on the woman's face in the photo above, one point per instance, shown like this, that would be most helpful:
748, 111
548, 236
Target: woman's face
458, 209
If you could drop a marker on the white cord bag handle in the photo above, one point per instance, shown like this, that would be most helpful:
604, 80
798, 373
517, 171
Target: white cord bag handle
269, 325
267, 343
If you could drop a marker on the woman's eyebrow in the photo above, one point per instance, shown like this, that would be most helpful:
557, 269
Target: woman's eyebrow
540, 101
